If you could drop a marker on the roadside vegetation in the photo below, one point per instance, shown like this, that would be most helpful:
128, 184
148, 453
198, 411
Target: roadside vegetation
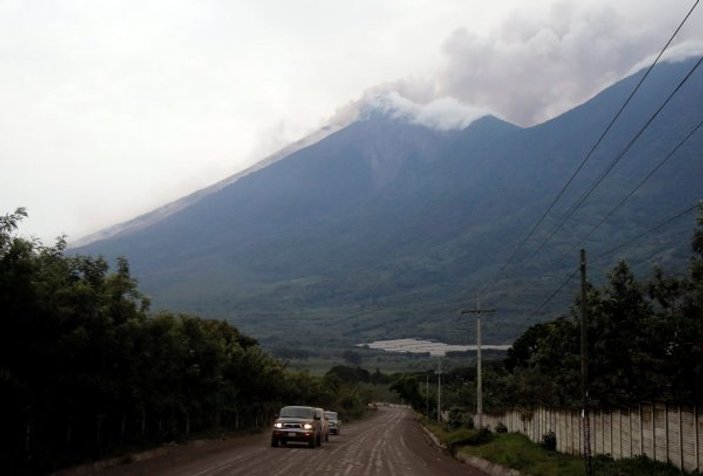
516, 451
88, 371
644, 345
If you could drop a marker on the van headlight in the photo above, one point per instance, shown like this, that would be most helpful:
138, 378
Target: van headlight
278, 424
307, 426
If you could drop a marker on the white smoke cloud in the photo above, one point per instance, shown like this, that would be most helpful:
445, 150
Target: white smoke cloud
674, 54
536, 64
163, 97
441, 114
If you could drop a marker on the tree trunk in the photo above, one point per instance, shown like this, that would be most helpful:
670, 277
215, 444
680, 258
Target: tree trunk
28, 441
98, 431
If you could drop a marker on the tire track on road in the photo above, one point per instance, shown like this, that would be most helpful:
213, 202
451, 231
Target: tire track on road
390, 443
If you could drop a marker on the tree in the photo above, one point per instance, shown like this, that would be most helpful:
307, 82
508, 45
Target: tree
408, 389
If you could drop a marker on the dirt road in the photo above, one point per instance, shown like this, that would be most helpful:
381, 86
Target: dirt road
389, 444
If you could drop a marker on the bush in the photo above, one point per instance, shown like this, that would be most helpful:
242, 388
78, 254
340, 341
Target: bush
459, 418
475, 437
549, 441
501, 428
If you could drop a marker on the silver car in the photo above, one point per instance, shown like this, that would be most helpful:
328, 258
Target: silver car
334, 424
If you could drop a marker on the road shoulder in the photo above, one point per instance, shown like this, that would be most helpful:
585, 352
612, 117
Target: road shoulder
479, 463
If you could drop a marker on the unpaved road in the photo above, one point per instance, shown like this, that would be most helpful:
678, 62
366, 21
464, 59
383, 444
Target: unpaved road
389, 444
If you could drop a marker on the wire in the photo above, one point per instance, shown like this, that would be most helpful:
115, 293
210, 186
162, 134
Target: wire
555, 292
582, 199
651, 230
492, 281
612, 250
642, 182
651, 173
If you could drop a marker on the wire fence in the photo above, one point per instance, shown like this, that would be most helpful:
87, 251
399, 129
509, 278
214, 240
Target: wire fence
662, 432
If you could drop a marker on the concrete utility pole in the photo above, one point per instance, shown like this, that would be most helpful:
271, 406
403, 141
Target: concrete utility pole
584, 370
479, 384
439, 391
427, 396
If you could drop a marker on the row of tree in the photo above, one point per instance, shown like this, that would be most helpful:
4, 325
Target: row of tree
645, 343
86, 369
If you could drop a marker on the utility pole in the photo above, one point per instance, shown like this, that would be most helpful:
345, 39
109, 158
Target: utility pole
479, 384
584, 370
439, 391
427, 396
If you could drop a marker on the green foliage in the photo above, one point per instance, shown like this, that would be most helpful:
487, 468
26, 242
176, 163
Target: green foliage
408, 389
644, 343
637, 466
458, 417
516, 451
351, 357
349, 374
85, 369
549, 441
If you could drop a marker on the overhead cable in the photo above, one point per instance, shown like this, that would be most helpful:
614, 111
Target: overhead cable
613, 250
584, 196
492, 281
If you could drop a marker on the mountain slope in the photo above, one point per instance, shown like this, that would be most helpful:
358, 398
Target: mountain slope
385, 229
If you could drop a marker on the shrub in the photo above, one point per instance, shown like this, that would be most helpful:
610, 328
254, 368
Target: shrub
459, 418
549, 441
501, 428
475, 437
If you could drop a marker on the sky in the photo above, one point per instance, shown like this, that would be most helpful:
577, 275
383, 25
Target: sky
112, 108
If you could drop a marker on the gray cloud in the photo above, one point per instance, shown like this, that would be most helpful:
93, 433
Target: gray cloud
163, 97
532, 68
537, 64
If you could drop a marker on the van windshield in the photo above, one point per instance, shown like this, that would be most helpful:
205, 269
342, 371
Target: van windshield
296, 412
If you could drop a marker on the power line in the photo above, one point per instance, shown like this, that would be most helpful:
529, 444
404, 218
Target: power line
584, 196
612, 250
555, 292
651, 230
492, 281
642, 182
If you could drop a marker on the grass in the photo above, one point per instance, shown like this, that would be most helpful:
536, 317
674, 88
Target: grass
516, 451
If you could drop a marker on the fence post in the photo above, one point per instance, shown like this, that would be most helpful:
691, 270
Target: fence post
580, 431
622, 453
610, 420
641, 431
698, 456
654, 431
666, 430
629, 414
680, 440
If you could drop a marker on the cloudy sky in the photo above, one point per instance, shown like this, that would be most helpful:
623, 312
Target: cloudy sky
111, 108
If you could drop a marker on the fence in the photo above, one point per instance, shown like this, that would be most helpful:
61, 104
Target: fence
662, 432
